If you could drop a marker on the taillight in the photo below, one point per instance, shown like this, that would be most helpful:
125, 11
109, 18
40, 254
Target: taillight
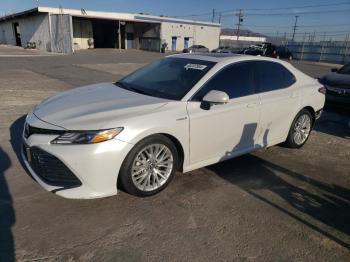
322, 90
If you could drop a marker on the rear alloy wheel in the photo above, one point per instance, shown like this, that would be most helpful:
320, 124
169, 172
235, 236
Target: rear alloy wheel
300, 130
149, 167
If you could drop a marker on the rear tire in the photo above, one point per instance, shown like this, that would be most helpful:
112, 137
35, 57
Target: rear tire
149, 167
300, 129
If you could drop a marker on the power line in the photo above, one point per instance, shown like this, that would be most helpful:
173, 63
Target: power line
312, 32
286, 8
291, 7
285, 26
301, 13
267, 9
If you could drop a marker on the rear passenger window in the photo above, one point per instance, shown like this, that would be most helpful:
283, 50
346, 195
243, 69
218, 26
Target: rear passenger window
273, 76
236, 80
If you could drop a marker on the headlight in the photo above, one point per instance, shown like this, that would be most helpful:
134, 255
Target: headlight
87, 137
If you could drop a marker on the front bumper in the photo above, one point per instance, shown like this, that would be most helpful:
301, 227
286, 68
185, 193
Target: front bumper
96, 166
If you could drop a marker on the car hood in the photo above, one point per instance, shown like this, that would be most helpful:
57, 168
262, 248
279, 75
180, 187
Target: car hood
336, 79
95, 107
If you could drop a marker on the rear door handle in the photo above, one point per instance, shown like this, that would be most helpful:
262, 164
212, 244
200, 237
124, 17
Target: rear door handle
252, 105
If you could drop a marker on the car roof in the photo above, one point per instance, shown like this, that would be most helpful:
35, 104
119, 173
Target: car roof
225, 57
211, 57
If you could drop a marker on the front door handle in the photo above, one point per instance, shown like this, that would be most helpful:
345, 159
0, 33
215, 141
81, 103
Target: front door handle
252, 105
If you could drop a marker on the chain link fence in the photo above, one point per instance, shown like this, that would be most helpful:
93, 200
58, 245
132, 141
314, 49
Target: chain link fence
329, 51
323, 51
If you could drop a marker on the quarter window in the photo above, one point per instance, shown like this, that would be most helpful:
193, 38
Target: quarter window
236, 80
273, 76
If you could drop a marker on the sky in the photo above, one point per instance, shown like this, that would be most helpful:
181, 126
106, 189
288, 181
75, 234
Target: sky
324, 18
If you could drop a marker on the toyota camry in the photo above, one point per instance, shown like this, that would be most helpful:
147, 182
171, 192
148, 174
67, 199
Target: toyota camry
179, 113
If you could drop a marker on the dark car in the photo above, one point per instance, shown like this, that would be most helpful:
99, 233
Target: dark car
196, 49
253, 50
283, 52
338, 86
264, 49
270, 50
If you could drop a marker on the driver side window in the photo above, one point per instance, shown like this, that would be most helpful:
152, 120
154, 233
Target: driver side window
237, 80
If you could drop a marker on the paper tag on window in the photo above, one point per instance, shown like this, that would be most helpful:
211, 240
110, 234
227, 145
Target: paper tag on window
195, 66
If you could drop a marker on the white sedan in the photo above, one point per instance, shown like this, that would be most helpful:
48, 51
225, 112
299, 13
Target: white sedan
180, 113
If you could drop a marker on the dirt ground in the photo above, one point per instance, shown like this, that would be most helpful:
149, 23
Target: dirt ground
274, 205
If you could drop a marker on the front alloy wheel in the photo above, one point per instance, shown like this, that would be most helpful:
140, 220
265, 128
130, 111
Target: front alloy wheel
152, 167
149, 167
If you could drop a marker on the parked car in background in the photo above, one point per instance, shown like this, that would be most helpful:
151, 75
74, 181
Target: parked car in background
253, 50
338, 86
264, 49
196, 49
269, 50
223, 49
179, 113
282, 52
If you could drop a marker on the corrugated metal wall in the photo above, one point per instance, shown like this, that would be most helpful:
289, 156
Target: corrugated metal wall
61, 34
34, 28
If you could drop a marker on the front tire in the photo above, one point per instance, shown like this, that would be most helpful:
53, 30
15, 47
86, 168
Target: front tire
149, 167
300, 130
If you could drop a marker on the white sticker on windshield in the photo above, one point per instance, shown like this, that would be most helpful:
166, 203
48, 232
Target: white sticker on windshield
195, 66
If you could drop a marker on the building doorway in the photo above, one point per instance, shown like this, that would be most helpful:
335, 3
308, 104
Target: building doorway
17, 34
173, 43
186, 41
130, 40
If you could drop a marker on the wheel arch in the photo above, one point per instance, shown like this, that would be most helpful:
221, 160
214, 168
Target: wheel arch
179, 146
312, 112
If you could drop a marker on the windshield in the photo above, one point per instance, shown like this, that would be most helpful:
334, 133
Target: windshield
169, 78
345, 69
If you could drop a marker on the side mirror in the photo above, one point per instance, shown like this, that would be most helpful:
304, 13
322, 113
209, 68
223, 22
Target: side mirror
214, 97
334, 70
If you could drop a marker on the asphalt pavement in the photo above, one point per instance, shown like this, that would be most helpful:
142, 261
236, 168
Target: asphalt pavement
277, 204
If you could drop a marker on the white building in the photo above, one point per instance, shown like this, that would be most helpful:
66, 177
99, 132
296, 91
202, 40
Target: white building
67, 30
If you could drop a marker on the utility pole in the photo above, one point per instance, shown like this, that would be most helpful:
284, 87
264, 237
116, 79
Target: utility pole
213, 16
240, 20
295, 27
119, 37
219, 18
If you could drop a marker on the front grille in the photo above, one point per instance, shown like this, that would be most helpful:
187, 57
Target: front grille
50, 169
30, 130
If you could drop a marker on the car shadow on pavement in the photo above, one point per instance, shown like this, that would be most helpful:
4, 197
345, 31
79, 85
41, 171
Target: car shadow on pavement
327, 205
16, 130
334, 122
7, 213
